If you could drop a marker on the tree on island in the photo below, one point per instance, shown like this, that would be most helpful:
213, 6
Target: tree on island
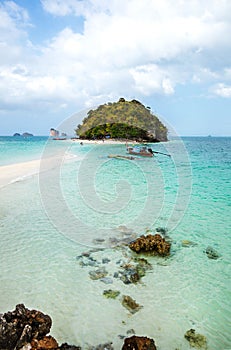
122, 120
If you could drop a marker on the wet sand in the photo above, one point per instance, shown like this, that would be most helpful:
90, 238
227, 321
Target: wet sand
16, 172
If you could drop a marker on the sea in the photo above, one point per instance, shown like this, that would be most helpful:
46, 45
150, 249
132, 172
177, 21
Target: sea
75, 217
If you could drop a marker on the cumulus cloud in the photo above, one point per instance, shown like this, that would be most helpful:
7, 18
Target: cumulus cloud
132, 48
222, 90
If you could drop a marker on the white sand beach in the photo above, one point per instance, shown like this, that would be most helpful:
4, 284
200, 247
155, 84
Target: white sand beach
104, 142
16, 172
20, 171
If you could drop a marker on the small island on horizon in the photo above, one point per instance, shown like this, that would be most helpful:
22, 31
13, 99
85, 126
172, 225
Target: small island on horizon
25, 134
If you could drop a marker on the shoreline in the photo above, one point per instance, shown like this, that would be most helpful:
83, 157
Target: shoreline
105, 142
18, 171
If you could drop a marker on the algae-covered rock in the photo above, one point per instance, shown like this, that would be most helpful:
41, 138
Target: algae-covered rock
130, 304
186, 243
109, 293
196, 340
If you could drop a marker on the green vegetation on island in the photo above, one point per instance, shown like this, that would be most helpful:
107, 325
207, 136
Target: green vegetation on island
122, 120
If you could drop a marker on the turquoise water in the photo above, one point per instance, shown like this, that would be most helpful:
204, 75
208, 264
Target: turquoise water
20, 149
50, 219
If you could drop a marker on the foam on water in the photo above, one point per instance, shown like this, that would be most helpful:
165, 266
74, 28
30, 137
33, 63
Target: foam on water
187, 290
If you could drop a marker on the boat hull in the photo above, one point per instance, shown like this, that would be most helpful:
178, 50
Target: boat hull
142, 154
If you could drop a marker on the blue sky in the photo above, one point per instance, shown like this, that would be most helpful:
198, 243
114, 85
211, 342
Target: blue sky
59, 58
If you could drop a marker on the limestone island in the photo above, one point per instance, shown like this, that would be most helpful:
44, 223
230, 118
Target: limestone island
25, 134
126, 120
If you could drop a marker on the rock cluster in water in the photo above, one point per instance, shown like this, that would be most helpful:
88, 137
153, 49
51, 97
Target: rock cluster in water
27, 330
24, 329
154, 244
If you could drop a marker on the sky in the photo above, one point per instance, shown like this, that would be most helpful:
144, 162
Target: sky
60, 58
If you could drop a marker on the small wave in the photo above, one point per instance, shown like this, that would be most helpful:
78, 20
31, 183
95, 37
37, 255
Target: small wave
24, 177
71, 156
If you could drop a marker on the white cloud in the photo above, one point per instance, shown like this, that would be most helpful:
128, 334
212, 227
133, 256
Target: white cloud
222, 90
127, 48
63, 8
150, 79
17, 12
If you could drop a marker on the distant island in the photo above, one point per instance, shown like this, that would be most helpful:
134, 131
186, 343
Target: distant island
56, 134
25, 134
122, 120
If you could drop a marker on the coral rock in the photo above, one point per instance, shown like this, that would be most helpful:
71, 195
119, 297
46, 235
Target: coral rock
138, 343
19, 327
154, 244
47, 343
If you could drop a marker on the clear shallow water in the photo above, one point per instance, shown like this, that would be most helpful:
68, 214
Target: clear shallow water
47, 221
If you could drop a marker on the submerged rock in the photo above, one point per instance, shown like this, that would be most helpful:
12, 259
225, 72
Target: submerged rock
98, 274
111, 293
161, 230
132, 273
138, 343
106, 280
65, 346
212, 253
153, 244
186, 243
106, 346
143, 263
130, 304
98, 240
196, 340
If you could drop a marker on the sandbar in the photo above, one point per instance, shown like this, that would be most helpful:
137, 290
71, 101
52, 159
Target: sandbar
16, 172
